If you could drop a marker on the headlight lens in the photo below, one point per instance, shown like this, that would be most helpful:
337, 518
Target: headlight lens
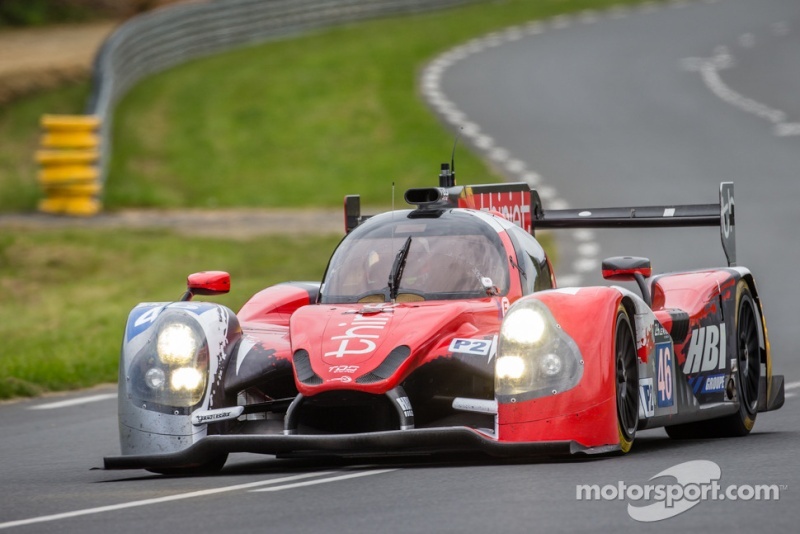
512, 367
535, 357
524, 326
154, 378
185, 378
177, 344
171, 370
551, 364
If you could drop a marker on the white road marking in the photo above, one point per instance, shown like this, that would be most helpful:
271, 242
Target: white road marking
569, 280
325, 480
74, 402
619, 12
158, 500
589, 249
709, 70
791, 385
588, 17
747, 40
561, 22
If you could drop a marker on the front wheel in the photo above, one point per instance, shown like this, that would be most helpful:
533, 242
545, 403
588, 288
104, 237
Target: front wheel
627, 380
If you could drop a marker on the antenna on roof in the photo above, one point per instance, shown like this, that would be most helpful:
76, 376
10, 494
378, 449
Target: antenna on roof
447, 177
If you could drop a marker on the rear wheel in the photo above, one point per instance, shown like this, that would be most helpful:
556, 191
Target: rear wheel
627, 380
748, 375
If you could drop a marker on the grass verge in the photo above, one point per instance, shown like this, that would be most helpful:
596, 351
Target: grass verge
67, 294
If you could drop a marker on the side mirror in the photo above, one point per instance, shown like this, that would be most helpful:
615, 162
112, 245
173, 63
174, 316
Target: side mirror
628, 268
207, 283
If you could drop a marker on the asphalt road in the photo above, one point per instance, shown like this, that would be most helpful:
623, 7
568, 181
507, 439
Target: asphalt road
603, 112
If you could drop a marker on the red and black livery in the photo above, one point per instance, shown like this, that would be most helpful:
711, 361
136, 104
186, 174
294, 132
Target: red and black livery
441, 328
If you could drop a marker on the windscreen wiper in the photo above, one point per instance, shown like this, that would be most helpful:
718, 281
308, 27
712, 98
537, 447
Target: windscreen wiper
397, 269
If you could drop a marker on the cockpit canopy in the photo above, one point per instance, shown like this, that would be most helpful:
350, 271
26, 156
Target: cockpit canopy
448, 257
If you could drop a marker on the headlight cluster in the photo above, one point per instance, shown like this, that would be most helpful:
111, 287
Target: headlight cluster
171, 371
535, 357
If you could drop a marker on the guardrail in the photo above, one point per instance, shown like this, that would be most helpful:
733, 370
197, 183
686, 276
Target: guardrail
166, 37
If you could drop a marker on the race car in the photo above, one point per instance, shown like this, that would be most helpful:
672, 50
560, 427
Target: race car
441, 329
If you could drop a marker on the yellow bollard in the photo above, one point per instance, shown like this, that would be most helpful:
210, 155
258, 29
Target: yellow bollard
68, 171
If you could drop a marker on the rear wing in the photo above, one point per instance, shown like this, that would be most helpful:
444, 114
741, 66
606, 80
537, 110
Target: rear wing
520, 204
671, 216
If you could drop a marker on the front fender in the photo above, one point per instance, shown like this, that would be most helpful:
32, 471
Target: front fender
155, 415
586, 412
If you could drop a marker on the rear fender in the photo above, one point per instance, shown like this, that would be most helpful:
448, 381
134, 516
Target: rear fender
587, 412
710, 298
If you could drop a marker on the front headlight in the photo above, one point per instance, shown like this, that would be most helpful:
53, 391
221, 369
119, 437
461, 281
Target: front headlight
535, 357
509, 367
177, 344
171, 371
527, 326
185, 378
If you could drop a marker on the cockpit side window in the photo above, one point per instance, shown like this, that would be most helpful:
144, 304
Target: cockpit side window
535, 275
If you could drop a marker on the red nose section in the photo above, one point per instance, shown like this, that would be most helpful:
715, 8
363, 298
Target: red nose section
369, 348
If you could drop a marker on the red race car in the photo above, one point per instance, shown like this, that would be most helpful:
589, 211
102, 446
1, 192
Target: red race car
440, 328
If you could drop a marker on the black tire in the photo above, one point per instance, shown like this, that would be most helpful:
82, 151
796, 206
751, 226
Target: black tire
209, 467
748, 354
626, 372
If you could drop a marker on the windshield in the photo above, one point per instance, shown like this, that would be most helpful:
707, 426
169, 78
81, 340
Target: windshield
446, 258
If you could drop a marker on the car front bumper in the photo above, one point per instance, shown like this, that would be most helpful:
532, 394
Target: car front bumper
400, 442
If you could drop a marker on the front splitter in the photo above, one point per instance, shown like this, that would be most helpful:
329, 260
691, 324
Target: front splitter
414, 441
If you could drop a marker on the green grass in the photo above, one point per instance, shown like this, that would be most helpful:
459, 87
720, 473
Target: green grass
67, 294
305, 121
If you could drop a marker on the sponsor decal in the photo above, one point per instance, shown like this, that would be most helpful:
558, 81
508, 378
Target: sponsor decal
213, 417
346, 379
664, 374
727, 213
358, 338
645, 341
141, 318
477, 347
646, 398
337, 369
515, 206
714, 383
210, 416
405, 405
706, 350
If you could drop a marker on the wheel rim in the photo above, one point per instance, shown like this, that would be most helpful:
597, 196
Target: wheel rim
749, 357
627, 379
